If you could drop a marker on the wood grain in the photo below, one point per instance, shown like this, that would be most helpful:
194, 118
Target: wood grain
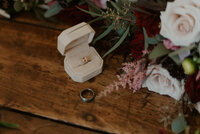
30, 124
30, 18
32, 79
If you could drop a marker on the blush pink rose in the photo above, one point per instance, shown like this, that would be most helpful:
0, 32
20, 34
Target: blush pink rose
160, 81
169, 45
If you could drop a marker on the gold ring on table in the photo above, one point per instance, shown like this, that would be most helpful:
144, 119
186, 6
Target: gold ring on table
84, 60
86, 91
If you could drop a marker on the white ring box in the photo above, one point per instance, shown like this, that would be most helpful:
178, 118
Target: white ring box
73, 43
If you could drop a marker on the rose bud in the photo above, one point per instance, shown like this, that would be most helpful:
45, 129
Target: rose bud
189, 66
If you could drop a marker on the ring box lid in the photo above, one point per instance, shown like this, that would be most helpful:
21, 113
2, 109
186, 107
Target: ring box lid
76, 35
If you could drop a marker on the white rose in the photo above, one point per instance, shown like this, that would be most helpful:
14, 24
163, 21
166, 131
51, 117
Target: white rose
160, 81
197, 106
180, 22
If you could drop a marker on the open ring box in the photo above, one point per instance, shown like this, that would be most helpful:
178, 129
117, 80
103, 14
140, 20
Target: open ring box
73, 43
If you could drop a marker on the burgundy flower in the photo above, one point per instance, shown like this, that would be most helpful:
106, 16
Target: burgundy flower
150, 23
74, 15
137, 45
193, 88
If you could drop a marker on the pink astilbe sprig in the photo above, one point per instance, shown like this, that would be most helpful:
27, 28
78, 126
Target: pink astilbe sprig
133, 76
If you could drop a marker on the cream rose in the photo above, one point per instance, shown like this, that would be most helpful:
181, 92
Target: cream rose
160, 81
197, 106
180, 22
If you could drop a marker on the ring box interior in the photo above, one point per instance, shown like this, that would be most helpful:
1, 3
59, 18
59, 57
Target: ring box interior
73, 43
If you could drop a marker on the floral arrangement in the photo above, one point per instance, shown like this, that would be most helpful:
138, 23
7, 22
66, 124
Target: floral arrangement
163, 37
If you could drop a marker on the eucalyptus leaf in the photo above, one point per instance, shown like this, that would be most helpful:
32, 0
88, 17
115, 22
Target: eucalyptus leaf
179, 124
116, 7
176, 59
18, 6
158, 51
118, 43
93, 10
159, 37
146, 45
9, 125
92, 5
96, 19
106, 32
55, 9
152, 41
88, 12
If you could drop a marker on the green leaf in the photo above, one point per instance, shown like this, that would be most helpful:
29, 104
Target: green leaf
92, 5
146, 44
152, 41
116, 7
175, 55
176, 59
158, 51
18, 6
96, 19
106, 32
197, 132
55, 9
181, 50
159, 37
88, 12
119, 42
179, 124
9, 125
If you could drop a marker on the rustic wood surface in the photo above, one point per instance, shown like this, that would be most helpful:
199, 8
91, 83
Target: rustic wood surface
32, 79
29, 18
30, 124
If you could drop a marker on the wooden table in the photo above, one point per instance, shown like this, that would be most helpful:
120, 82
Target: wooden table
33, 80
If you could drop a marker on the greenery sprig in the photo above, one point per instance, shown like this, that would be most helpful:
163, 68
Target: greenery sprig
120, 18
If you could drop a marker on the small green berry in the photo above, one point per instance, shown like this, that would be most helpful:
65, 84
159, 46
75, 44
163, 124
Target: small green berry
189, 66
